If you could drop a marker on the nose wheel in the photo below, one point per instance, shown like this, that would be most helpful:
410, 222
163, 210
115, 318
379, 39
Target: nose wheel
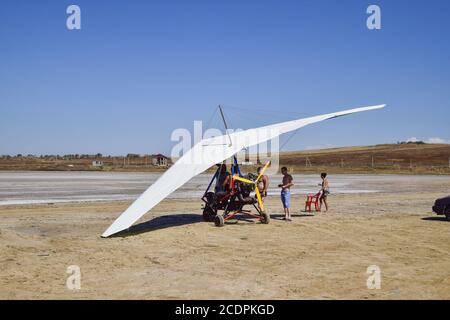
265, 218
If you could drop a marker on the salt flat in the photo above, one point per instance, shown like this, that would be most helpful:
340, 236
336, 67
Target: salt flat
54, 187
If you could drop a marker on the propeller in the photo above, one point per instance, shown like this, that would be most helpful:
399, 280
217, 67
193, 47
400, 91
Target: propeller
255, 183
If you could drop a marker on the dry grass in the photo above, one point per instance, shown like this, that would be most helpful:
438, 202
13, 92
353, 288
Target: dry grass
389, 158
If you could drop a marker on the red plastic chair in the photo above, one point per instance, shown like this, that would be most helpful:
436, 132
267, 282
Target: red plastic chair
312, 199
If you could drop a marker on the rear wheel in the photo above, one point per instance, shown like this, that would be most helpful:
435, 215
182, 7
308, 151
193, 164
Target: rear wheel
208, 214
219, 221
265, 218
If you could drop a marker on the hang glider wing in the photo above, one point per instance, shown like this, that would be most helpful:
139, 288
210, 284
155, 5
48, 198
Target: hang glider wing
205, 154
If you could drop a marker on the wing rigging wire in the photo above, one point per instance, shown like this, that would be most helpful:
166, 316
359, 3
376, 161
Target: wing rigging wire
260, 113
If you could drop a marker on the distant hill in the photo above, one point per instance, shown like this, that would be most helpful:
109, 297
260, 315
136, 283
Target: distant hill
417, 158
411, 158
98, 162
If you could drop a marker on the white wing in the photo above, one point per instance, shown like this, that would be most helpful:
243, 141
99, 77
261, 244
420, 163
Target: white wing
205, 154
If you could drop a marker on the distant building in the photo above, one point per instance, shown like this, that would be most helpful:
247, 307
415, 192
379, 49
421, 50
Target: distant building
97, 163
133, 155
160, 160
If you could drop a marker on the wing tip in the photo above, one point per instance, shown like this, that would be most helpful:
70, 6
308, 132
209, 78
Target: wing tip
374, 106
107, 233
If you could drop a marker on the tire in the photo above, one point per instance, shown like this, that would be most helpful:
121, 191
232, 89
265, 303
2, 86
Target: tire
219, 221
265, 218
208, 214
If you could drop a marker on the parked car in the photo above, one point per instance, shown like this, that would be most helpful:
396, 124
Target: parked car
442, 207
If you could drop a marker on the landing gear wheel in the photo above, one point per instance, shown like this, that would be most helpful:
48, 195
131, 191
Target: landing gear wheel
265, 218
219, 221
447, 216
208, 214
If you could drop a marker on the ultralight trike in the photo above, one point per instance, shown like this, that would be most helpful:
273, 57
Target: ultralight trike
224, 205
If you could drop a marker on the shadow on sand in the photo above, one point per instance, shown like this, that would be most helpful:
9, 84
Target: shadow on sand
175, 220
438, 218
161, 222
278, 216
297, 215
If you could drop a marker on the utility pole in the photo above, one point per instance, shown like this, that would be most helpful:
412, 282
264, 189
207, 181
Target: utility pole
307, 162
342, 163
373, 163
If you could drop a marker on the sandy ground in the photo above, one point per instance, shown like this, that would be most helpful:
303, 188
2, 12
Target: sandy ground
178, 256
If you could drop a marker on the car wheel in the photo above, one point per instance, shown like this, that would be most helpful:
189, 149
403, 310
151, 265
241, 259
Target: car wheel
447, 213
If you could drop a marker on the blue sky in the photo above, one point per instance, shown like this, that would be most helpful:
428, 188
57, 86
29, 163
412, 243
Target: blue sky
139, 69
